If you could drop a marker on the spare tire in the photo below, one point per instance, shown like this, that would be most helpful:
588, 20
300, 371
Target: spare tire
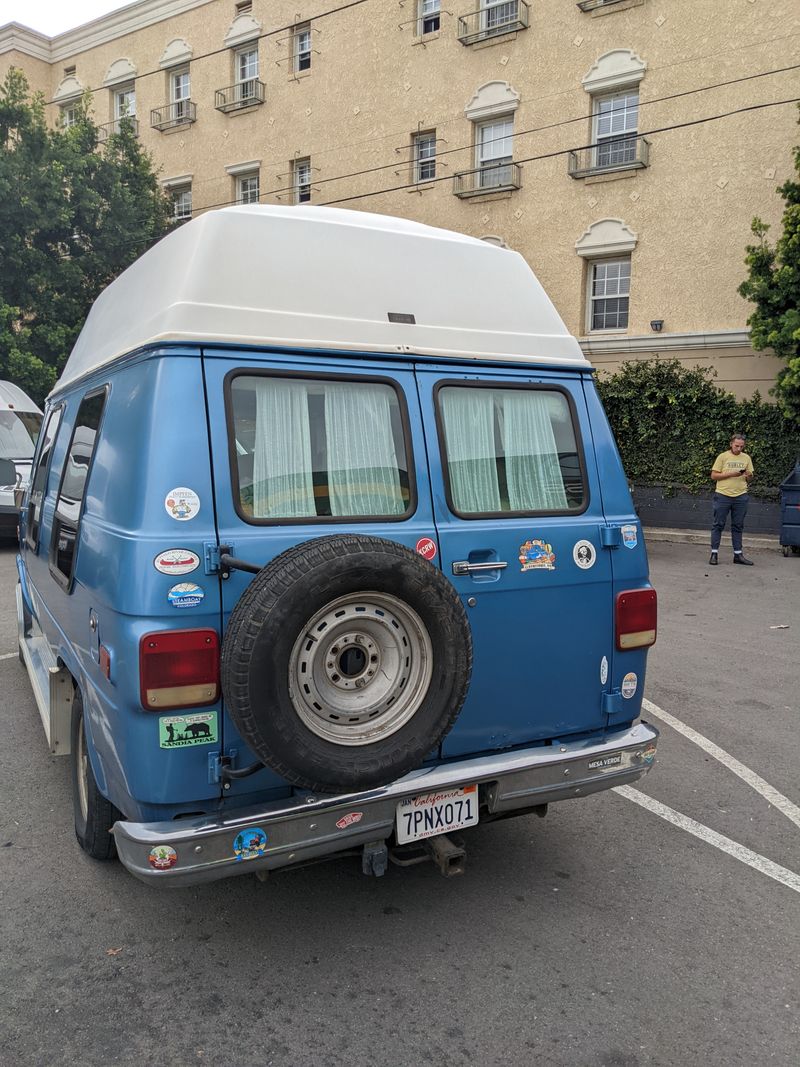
345, 662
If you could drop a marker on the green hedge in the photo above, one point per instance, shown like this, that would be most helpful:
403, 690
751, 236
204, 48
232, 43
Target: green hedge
671, 422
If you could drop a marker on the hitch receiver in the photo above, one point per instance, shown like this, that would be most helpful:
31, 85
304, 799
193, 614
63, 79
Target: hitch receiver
448, 855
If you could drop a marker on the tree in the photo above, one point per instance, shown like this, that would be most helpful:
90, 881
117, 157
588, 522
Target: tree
774, 287
74, 213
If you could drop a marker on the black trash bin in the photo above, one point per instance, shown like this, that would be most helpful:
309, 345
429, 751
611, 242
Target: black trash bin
790, 511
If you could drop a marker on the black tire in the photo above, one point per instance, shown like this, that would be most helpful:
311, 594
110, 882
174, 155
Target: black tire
785, 551
390, 623
94, 815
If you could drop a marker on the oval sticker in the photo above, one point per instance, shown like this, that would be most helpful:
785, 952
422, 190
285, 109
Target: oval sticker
185, 595
182, 503
426, 548
629, 683
176, 561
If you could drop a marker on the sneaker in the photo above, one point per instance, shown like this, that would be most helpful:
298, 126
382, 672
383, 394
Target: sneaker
713, 560
739, 558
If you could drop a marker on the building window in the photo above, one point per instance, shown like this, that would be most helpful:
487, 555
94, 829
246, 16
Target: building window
424, 148
182, 202
301, 47
124, 103
244, 6
247, 189
69, 115
428, 18
615, 122
180, 93
609, 293
494, 150
498, 14
247, 73
301, 180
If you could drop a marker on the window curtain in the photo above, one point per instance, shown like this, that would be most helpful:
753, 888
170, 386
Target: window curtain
363, 478
469, 422
533, 472
282, 482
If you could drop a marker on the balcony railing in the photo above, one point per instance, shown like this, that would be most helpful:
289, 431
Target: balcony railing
179, 113
493, 21
590, 5
616, 153
244, 94
491, 178
108, 128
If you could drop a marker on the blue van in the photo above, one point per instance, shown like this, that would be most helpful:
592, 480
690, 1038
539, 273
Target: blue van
327, 546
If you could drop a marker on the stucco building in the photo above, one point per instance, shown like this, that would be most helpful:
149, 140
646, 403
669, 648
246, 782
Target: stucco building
620, 145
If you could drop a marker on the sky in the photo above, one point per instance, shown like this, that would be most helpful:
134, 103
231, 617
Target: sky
55, 16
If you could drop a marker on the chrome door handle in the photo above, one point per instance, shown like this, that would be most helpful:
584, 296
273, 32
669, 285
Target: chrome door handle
463, 566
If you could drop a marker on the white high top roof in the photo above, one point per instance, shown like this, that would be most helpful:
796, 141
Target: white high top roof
316, 277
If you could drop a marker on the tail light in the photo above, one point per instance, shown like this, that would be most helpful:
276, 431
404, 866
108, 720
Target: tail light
179, 669
635, 617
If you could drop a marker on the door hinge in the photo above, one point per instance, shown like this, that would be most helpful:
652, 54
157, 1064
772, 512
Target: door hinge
613, 702
610, 536
212, 552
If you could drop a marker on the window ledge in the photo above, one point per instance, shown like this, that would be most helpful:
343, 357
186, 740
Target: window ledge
421, 187
425, 38
490, 42
296, 75
625, 5
480, 196
611, 176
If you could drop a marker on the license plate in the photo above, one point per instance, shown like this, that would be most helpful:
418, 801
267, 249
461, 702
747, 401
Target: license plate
436, 813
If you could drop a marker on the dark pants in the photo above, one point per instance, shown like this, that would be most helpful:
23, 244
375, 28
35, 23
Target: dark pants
737, 506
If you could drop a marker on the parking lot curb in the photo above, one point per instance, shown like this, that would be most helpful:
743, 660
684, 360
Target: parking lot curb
702, 537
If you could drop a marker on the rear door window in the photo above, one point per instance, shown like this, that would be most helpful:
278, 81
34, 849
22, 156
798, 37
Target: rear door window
317, 450
39, 477
510, 451
71, 494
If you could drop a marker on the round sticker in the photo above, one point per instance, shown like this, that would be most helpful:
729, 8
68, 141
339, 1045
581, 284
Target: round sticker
603, 670
248, 844
584, 554
162, 857
176, 561
426, 548
182, 504
185, 595
629, 683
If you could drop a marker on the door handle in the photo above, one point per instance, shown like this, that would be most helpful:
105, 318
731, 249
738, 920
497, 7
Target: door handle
463, 566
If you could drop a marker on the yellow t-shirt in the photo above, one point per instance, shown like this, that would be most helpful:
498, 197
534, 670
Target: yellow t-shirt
726, 461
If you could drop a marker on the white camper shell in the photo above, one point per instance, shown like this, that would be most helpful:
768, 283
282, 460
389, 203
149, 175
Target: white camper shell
20, 421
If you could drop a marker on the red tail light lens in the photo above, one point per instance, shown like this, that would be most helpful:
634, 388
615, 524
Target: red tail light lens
636, 617
179, 669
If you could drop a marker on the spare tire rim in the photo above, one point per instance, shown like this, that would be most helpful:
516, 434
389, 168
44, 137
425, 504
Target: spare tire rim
360, 669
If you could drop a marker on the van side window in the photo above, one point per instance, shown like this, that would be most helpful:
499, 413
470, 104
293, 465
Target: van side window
39, 477
315, 449
73, 486
510, 450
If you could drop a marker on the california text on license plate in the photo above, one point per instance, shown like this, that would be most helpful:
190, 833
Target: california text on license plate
436, 813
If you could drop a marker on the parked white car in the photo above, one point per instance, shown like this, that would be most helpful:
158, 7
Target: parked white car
20, 422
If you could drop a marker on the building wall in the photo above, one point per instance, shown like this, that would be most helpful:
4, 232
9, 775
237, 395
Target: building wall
374, 82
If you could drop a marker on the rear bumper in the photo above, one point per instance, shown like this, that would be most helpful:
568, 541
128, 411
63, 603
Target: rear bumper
306, 827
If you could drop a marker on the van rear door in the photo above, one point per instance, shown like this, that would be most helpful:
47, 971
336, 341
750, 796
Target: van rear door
518, 514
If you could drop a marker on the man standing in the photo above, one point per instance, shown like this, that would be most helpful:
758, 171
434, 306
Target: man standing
731, 472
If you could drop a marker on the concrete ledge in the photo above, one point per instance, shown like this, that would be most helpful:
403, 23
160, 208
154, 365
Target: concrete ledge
703, 537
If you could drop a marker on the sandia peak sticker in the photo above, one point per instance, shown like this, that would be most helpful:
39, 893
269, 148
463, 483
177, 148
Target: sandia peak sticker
183, 731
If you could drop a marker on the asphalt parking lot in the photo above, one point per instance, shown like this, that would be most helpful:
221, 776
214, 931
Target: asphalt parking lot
609, 933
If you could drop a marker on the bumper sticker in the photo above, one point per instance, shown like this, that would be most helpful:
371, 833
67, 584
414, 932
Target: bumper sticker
186, 595
182, 503
630, 536
629, 684
176, 561
584, 554
183, 731
162, 857
537, 555
350, 820
605, 761
649, 753
249, 844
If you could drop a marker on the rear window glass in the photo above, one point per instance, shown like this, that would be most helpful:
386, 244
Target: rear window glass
308, 449
510, 451
18, 433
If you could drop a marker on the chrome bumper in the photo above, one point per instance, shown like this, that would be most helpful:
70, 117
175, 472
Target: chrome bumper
306, 827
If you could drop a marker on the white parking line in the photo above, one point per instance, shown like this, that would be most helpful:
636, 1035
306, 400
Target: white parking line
711, 837
770, 793
9, 655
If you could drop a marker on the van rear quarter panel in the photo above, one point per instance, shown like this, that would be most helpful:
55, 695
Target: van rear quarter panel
153, 439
